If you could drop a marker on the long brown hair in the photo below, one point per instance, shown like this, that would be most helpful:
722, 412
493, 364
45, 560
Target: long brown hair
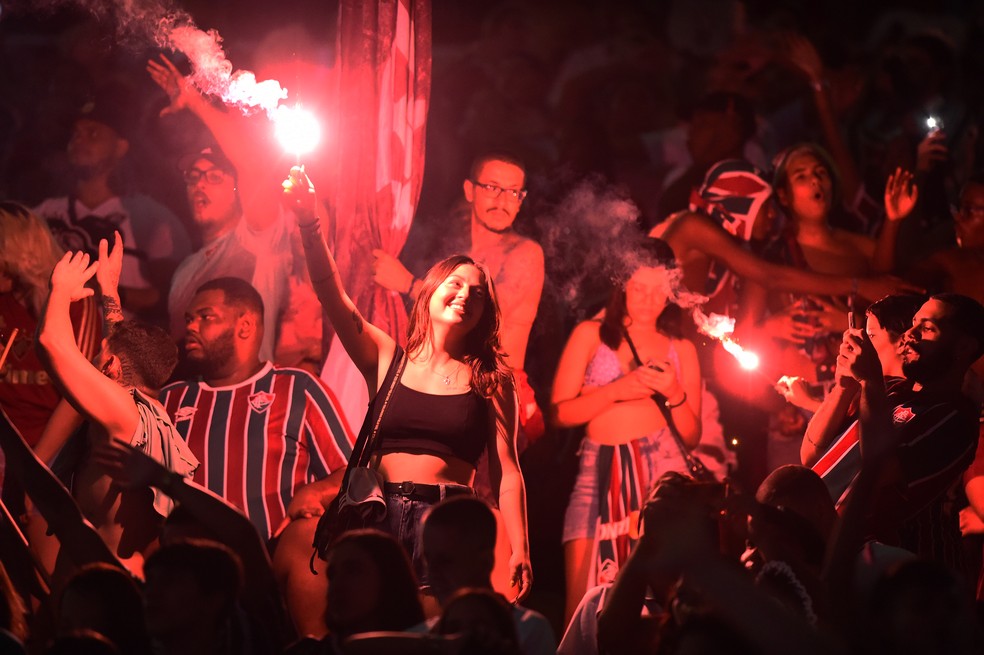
482, 349
650, 253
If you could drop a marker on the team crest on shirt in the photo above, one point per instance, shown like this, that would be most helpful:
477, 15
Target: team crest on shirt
260, 401
184, 414
903, 414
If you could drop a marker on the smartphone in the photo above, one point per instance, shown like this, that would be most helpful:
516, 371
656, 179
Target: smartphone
851, 322
933, 124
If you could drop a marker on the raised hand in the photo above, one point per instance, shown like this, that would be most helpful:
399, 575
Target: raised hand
931, 151
804, 57
110, 266
71, 274
857, 358
299, 195
901, 195
167, 76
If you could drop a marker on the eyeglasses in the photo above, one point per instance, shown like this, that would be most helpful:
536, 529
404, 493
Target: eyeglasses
212, 176
495, 191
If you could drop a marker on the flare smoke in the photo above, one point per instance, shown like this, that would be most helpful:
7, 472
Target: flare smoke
160, 23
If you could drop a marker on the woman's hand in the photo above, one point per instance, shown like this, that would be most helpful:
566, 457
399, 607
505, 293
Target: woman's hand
664, 378
901, 195
299, 195
522, 575
794, 323
636, 385
796, 391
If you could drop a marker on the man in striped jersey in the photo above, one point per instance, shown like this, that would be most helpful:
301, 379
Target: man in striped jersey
920, 432
260, 432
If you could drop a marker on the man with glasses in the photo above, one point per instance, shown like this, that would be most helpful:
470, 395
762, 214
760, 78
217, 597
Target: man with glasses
253, 248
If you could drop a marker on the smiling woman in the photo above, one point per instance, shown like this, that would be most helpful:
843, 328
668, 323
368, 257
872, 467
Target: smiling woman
451, 398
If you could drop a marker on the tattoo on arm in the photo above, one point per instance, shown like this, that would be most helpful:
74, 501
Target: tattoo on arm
112, 312
357, 320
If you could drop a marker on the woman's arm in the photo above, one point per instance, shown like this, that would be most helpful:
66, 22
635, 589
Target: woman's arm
507, 481
696, 232
571, 403
683, 398
370, 348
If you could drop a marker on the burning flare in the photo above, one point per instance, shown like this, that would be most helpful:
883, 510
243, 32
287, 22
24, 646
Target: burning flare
720, 327
297, 129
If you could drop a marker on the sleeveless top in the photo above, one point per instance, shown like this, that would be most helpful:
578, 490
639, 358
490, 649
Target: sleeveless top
604, 366
432, 424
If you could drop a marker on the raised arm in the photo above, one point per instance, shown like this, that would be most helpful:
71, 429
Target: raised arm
901, 195
370, 348
89, 390
245, 141
507, 480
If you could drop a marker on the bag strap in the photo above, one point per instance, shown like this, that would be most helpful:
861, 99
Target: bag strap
694, 463
389, 383
362, 450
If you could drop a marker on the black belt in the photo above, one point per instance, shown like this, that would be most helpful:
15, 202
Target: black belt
428, 493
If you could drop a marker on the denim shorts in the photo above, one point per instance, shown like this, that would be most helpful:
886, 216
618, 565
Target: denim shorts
656, 454
403, 520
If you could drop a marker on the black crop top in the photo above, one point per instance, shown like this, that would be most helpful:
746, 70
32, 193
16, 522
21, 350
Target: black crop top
418, 422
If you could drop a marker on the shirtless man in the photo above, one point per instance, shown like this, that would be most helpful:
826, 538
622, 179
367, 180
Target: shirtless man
116, 393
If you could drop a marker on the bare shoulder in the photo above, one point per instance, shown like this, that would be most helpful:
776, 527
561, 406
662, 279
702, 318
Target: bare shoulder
526, 249
586, 332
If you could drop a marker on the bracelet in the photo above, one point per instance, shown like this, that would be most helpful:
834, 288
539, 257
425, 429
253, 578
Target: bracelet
667, 404
409, 290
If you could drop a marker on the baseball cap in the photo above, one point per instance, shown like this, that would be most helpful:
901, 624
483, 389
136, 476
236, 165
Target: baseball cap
210, 153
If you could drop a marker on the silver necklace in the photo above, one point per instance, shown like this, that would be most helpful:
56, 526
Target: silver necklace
446, 379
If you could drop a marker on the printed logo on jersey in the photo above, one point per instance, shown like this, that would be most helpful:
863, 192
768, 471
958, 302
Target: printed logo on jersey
260, 401
184, 413
903, 414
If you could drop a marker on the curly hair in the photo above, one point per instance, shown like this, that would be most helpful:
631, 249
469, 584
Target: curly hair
483, 353
28, 251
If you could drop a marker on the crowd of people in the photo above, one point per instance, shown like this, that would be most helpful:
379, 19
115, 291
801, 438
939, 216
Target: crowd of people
563, 453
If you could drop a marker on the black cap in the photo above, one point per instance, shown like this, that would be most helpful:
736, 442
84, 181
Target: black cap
111, 108
212, 154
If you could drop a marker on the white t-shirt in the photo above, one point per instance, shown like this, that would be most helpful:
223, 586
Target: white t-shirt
149, 230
